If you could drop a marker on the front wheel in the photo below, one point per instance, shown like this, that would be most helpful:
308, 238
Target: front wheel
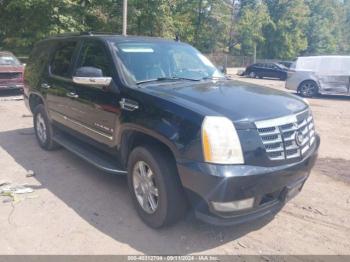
155, 187
308, 88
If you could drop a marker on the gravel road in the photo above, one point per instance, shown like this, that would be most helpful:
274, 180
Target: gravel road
77, 209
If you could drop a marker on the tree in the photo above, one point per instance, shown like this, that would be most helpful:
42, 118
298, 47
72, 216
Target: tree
285, 37
253, 18
324, 27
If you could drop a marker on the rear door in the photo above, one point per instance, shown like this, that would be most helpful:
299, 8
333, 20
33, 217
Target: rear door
96, 109
58, 85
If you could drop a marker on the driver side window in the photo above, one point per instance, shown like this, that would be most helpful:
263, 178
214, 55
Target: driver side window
93, 54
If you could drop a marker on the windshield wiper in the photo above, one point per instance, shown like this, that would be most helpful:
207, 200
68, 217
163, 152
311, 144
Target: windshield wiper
167, 79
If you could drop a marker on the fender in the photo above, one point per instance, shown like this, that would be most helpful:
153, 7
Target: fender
121, 139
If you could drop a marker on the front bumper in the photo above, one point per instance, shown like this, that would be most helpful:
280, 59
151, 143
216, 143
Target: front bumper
269, 186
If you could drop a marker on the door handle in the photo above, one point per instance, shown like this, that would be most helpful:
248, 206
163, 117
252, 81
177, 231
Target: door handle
45, 85
72, 95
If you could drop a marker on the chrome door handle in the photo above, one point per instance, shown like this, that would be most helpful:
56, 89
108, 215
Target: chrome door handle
46, 86
72, 95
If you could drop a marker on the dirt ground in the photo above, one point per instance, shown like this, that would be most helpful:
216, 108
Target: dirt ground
77, 209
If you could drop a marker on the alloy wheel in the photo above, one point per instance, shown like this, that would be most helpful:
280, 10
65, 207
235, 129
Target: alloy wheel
308, 89
145, 188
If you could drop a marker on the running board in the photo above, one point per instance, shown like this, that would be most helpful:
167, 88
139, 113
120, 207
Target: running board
90, 154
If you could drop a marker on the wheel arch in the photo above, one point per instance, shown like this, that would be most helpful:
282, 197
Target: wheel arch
35, 100
132, 138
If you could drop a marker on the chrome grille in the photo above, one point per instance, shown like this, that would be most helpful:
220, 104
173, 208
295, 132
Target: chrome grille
279, 135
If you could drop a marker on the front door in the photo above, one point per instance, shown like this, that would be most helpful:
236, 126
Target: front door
96, 109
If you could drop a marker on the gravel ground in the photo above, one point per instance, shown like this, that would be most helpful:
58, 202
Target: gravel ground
76, 209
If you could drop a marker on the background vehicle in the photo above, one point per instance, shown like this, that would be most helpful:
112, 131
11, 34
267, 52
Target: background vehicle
271, 70
159, 112
329, 75
11, 72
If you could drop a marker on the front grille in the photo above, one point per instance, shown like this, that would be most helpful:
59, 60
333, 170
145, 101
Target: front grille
287, 137
10, 75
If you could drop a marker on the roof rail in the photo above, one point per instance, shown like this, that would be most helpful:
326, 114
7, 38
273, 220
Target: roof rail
91, 33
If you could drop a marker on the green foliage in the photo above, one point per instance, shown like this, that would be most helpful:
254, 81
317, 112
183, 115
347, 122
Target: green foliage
274, 28
324, 28
287, 38
254, 17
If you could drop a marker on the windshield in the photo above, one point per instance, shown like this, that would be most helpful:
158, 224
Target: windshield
164, 61
8, 60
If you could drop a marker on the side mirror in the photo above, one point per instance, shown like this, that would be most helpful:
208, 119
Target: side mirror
91, 76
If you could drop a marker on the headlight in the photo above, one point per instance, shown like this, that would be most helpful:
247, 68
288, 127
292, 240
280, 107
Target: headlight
220, 141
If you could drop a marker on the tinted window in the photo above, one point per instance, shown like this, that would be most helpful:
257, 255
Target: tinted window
93, 54
62, 59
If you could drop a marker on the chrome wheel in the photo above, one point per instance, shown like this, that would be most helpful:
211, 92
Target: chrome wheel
145, 187
41, 128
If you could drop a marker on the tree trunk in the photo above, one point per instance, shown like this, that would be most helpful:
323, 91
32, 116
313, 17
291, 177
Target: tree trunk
254, 52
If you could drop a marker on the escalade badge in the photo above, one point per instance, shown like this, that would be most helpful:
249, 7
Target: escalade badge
299, 138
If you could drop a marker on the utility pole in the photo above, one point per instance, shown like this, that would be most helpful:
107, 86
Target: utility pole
125, 16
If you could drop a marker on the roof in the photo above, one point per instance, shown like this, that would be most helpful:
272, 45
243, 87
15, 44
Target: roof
108, 36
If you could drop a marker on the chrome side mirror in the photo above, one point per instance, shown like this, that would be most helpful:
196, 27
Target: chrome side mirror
93, 81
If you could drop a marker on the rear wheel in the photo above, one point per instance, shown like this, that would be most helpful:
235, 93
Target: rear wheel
308, 88
155, 186
43, 129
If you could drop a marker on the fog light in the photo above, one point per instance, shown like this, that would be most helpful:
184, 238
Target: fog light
233, 206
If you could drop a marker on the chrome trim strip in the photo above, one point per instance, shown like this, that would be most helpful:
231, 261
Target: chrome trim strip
284, 120
84, 126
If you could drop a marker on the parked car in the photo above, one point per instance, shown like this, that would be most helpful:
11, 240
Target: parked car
11, 72
270, 70
159, 112
327, 75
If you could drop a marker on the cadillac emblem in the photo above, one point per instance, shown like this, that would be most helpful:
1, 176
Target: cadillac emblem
299, 138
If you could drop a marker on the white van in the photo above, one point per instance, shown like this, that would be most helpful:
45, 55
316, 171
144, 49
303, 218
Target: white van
314, 75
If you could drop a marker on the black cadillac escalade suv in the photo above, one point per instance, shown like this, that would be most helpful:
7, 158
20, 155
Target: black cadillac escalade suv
160, 113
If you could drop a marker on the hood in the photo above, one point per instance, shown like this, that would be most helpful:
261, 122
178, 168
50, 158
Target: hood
239, 101
11, 69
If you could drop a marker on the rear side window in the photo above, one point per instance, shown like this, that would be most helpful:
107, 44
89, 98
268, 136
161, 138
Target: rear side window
62, 59
93, 54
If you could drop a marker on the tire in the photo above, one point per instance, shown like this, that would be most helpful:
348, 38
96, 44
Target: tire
308, 88
43, 129
170, 201
252, 74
